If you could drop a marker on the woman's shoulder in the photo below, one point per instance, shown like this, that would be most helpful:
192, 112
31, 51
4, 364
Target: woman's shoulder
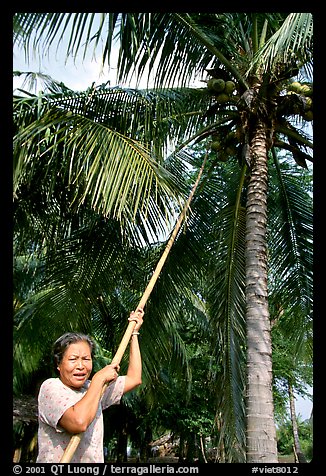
48, 388
56, 383
52, 382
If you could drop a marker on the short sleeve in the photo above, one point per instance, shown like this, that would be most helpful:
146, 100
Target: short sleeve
113, 393
54, 399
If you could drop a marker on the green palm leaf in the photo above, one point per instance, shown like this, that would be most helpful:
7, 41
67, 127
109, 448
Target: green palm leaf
295, 36
291, 216
225, 294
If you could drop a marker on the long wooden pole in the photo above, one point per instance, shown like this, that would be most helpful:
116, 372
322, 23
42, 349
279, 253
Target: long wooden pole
75, 439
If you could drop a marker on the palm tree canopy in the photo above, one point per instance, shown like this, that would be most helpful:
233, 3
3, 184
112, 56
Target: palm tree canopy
182, 44
261, 54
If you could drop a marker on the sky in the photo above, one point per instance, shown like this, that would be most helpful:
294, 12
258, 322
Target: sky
77, 75
80, 75
303, 406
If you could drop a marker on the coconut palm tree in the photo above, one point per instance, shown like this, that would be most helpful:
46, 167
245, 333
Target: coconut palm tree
256, 107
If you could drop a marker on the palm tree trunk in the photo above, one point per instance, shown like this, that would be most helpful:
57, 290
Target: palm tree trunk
261, 431
300, 457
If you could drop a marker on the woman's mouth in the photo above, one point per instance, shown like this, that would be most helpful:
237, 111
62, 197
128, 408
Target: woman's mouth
79, 376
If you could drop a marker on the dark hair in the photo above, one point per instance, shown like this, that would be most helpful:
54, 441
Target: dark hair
60, 346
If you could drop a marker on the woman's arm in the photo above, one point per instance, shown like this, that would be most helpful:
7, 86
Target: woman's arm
77, 418
134, 373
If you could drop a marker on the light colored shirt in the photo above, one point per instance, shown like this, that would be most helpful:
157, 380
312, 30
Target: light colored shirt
53, 400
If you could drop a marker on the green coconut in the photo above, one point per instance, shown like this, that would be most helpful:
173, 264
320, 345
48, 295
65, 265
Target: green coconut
308, 103
234, 98
215, 145
218, 85
222, 98
231, 150
308, 115
229, 87
222, 157
309, 92
305, 89
295, 86
230, 137
210, 84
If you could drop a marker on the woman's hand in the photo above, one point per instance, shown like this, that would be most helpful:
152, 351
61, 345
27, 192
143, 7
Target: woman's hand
138, 317
77, 418
108, 373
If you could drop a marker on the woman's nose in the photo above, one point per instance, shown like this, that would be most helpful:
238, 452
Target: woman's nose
80, 364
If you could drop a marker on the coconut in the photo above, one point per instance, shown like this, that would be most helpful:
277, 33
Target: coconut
309, 92
218, 85
222, 98
235, 98
215, 146
222, 157
231, 150
230, 137
229, 87
305, 89
308, 104
308, 115
295, 86
210, 83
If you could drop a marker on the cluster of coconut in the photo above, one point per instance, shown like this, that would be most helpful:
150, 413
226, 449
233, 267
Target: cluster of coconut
223, 90
306, 91
224, 148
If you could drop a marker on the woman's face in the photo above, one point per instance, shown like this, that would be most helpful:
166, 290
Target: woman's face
76, 365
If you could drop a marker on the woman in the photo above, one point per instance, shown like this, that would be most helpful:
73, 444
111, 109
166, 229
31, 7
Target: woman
73, 404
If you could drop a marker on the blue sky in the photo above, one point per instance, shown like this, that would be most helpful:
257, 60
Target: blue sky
78, 76
303, 406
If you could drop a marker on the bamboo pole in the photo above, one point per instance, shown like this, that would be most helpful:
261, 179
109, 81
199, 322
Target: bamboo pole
75, 439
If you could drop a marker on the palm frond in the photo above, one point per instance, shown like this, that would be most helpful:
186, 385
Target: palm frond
90, 284
226, 303
290, 245
113, 172
36, 32
177, 47
38, 80
117, 172
290, 44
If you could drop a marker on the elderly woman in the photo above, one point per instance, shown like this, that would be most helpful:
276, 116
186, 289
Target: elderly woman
73, 404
